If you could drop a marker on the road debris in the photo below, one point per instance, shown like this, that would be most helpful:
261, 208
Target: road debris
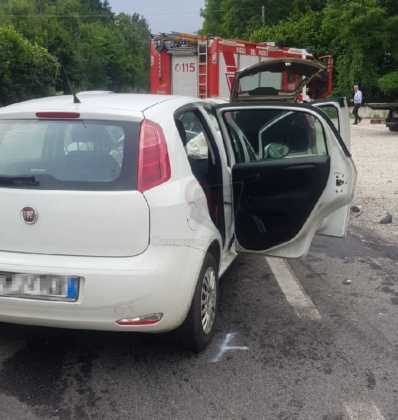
375, 154
347, 282
386, 219
356, 210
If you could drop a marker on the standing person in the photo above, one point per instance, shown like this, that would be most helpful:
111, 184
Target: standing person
358, 98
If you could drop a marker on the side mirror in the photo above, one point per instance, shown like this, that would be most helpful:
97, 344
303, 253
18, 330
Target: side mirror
197, 148
276, 151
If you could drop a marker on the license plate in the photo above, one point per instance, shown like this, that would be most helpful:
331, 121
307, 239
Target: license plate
39, 286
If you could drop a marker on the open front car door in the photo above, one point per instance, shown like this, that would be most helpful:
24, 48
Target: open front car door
300, 172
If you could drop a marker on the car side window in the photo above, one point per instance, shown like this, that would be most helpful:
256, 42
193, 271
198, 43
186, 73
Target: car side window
277, 134
243, 150
333, 114
193, 135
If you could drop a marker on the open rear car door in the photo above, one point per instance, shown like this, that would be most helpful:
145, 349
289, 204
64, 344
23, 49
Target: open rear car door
301, 173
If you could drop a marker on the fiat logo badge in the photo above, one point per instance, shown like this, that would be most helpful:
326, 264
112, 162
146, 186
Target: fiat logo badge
29, 215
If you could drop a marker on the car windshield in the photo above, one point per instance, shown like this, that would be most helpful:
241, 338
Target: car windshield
63, 154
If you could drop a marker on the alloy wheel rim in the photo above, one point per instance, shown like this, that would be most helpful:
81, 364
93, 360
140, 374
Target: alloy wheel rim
208, 300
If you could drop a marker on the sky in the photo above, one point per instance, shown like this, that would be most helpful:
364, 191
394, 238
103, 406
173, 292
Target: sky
164, 15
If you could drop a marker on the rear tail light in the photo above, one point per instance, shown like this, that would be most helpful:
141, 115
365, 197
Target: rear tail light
153, 160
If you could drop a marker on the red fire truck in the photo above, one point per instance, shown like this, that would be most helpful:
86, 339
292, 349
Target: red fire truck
193, 65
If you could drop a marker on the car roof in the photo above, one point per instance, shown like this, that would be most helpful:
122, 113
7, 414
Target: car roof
96, 103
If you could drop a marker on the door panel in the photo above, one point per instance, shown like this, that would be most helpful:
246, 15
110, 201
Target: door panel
274, 200
338, 113
337, 110
205, 162
281, 198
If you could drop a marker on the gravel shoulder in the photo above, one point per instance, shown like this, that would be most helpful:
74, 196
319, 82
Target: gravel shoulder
375, 152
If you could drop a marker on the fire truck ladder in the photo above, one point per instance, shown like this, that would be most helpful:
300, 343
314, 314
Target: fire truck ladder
203, 65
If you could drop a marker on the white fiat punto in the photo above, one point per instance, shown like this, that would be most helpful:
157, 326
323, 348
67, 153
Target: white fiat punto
122, 212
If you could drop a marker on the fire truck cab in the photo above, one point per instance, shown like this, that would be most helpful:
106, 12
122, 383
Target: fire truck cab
206, 67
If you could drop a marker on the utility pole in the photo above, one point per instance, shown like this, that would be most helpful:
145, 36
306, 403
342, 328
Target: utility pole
263, 14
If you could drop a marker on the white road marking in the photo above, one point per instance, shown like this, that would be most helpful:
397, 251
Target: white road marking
363, 411
293, 290
226, 347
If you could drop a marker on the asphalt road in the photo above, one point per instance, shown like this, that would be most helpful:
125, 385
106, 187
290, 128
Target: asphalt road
265, 363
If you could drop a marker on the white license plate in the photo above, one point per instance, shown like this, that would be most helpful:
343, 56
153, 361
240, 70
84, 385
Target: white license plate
39, 286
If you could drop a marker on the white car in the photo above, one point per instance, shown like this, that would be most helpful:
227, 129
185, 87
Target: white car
122, 212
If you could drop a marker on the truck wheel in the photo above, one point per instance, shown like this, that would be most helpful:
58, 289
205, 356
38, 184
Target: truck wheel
199, 326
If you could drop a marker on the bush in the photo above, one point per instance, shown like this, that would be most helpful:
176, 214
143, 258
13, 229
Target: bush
26, 70
389, 84
97, 48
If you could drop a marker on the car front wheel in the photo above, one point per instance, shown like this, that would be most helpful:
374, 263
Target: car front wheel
199, 326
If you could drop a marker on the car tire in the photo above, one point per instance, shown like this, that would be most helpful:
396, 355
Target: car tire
394, 128
198, 328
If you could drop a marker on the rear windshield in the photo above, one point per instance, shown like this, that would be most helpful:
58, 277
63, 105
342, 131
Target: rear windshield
266, 83
66, 154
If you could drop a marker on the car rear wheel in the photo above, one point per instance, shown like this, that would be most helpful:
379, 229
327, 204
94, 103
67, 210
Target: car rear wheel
199, 326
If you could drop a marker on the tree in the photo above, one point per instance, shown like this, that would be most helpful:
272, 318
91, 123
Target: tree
26, 70
136, 40
96, 48
301, 31
389, 84
115, 57
360, 35
391, 6
213, 17
238, 18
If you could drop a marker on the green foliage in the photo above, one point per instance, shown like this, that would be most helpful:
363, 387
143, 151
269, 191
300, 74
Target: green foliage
239, 18
115, 59
391, 6
362, 35
302, 31
389, 84
359, 45
97, 49
213, 17
26, 70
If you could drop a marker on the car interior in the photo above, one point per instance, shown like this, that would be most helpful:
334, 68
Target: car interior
274, 196
205, 162
64, 151
88, 156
